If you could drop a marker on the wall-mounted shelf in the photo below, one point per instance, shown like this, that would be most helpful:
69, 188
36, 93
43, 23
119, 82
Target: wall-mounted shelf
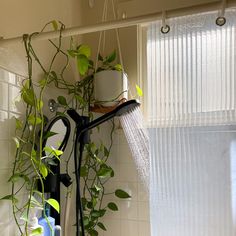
98, 108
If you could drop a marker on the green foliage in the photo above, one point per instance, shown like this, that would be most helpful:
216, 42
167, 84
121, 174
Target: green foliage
54, 203
82, 54
139, 91
112, 206
37, 231
10, 197
95, 173
122, 194
108, 62
62, 100
33, 161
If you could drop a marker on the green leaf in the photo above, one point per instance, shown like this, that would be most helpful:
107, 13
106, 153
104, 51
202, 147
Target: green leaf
62, 100
54, 25
39, 104
118, 67
43, 170
84, 50
94, 201
33, 120
10, 197
28, 96
83, 171
35, 203
98, 213
111, 57
97, 188
90, 205
24, 216
122, 194
82, 64
84, 202
38, 193
52, 151
37, 231
42, 82
16, 140
102, 212
112, 206
14, 178
104, 171
80, 99
106, 152
85, 220
93, 232
57, 152
54, 203
102, 226
19, 124
53, 75
48, 134
139, 91
73, 53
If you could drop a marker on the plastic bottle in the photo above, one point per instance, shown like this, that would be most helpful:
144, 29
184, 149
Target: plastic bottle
58, 230
33, 224
42, 221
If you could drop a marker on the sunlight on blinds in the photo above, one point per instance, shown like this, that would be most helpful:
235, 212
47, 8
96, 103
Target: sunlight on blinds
191, 71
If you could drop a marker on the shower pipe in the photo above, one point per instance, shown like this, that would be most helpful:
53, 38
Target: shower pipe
133, 21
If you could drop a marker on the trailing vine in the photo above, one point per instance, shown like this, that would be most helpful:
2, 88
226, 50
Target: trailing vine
31, 164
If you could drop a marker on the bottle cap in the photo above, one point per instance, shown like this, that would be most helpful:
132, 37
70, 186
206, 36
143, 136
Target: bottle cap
33, 222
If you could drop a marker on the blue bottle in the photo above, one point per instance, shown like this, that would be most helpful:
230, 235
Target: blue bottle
44, 223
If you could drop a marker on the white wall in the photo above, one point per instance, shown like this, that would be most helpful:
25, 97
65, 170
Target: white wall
28, 16
17, 18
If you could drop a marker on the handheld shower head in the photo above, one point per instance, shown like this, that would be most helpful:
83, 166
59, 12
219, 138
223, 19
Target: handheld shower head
118, 111
126, 107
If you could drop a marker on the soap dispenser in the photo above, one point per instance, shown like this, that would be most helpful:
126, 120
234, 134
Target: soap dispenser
44, 223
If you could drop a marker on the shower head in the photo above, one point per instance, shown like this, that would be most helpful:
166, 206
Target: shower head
126, 107
118, 111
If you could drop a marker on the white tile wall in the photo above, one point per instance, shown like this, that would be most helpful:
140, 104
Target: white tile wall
132, 219
9, 93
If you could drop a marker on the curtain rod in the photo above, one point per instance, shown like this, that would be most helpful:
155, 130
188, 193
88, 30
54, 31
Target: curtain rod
133, 21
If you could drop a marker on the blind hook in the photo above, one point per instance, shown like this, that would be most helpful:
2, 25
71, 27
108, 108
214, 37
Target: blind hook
165, 29
221, 20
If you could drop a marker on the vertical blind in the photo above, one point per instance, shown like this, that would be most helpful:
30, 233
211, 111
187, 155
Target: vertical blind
191, 119
191, 71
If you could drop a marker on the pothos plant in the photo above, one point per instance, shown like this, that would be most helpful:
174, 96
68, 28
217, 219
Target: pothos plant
31, 165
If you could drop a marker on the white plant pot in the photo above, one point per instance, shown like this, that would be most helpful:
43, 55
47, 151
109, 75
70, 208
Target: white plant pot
110, 86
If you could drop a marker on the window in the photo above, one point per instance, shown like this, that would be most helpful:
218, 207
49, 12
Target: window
191, 71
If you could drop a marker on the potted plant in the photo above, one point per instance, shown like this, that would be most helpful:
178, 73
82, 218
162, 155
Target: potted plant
110, 81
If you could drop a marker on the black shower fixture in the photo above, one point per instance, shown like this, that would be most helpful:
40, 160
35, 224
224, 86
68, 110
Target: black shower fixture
82, 126
82, 137
118, 111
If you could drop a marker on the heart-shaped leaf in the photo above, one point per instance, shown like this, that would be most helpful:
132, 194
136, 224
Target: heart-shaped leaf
54, 203
122, 194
